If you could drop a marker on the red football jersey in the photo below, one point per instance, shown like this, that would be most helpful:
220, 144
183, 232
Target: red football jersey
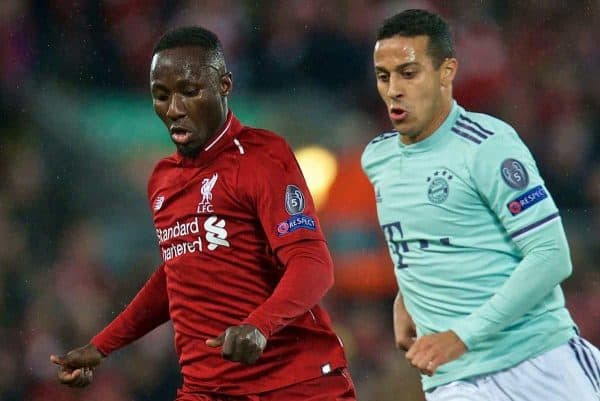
227, 221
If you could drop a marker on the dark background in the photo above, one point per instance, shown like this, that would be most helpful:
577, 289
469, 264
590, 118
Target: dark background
78, 139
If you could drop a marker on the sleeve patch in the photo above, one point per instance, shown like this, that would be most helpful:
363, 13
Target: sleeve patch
514, 174
294, 200
527, 200
294, 223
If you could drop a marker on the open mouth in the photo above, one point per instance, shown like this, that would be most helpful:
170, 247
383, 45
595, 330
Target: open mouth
180, 136
398, 114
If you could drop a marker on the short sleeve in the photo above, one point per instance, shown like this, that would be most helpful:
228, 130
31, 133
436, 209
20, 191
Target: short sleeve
283, 203
507, 178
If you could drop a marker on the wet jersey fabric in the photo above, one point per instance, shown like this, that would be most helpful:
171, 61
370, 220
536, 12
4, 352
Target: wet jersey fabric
231, 224
463, 211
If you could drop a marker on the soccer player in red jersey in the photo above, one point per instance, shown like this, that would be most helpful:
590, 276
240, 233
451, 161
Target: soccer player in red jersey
244, 260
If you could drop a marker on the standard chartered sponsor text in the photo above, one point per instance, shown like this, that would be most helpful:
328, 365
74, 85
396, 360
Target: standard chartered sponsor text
177, 230
215, 235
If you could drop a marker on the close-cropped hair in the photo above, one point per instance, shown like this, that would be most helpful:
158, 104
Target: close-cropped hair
411, 23
188, 36
194, 36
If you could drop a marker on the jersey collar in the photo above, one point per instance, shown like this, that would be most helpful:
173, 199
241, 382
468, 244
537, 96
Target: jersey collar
220, 141
435, 139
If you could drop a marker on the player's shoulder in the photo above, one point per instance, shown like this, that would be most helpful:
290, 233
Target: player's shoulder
476, 132
260, 138
379, 148
160, 168
163, 164
263, 146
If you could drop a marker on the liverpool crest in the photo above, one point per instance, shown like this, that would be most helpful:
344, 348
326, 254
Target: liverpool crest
205, 205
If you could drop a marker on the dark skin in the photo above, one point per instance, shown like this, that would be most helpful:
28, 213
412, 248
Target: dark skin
189, 93
189, 88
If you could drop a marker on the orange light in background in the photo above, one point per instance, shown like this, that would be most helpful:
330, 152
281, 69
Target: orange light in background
319, 167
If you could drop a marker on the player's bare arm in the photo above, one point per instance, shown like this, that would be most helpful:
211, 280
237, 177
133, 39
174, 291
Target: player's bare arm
405, 332
75, 368
244, 344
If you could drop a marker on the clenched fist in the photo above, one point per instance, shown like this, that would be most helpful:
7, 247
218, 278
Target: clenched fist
243, 343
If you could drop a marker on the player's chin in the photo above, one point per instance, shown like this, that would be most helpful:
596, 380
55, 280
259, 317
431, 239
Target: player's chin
189, 149
401, 126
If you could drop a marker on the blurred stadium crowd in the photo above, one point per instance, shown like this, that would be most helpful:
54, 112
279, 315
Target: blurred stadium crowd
78, 138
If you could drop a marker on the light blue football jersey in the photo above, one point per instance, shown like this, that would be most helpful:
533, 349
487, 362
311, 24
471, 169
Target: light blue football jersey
454, 208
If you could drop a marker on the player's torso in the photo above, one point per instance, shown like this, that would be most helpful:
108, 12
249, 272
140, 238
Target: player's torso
211, 243
444, 240
450, 251
198, 212
426, 204
220, 268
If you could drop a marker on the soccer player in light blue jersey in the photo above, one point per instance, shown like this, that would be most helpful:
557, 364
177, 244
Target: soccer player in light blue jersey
476, 239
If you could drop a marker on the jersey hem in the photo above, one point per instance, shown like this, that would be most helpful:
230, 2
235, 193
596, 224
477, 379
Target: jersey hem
298, 377
494, 367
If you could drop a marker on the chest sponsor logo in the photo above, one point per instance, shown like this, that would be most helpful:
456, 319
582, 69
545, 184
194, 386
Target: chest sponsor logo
294, 200
205, 205
439, 187
514, 174
401, 247
527, 200
173, 244
294, 223
158, 202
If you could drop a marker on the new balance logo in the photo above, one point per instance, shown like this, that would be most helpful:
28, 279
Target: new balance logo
158, 202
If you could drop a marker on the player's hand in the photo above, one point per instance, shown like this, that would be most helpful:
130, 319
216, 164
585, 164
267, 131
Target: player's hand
433, 350
243, 343
75, 368
405, 331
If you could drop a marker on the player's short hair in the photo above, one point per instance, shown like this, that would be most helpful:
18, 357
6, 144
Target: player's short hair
188, 36
416, 22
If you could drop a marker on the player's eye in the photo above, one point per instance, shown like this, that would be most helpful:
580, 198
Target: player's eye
160, 96
382, 77
408, 74
190, 92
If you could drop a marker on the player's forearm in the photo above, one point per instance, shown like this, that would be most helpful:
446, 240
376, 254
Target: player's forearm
308, 276
148, 310
399, 310
399, 303
545, 265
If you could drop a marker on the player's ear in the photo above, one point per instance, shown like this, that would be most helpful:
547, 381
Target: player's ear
225, 84
448, 71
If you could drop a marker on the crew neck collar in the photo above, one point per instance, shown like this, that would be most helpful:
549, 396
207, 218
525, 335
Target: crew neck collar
215, 144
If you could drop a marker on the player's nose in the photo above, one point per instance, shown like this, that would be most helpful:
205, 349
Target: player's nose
176, 108
395, 88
